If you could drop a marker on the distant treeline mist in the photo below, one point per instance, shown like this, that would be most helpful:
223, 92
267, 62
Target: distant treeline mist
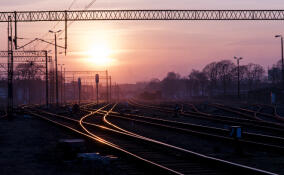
216, 79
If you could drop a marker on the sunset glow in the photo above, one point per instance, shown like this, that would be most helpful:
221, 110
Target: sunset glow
144, 86
137, 51
99, 55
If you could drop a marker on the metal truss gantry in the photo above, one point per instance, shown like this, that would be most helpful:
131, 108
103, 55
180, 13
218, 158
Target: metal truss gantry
91, 15
90, 75
28, 56
22, 57
83, 15
10, 57
84, 73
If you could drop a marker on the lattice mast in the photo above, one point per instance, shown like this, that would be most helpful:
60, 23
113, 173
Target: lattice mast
10, 69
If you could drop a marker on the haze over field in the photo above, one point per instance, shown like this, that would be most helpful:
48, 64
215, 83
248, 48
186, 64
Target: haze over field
141, 50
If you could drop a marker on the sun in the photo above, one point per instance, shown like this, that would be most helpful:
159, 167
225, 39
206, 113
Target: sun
99, 55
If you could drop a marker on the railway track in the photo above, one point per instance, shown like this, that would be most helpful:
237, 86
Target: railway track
247, 114
160, 156
3, 116
249, 139
115, 126
274, 130
271, 118
274, 112
74, 125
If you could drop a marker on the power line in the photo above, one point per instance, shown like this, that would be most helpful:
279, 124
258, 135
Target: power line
86, 8
44, 35
38, 39
70, 6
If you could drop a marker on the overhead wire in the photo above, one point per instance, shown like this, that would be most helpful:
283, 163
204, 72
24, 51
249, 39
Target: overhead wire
69, 8
33, 41
57, 23
70, 23
44, 35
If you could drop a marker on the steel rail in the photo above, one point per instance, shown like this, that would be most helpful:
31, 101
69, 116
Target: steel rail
228, 109
275, 114
109, 144
194, 154
254, 113
107, 113
222, 119
258, 112
211, 132
101, 140
190, 124
123, 132
204, 156
187, 112
193, 107
3, 116
219, 130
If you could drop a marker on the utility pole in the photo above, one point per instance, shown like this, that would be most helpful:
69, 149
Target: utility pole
74, 96
282, 67
79, 88
238, 63
92, 91
109, 88
46, 78
97, 87
10, 105
118, 93
61, 87
56, 71
64, 93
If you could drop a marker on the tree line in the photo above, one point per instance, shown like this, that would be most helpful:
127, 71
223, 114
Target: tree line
215, 79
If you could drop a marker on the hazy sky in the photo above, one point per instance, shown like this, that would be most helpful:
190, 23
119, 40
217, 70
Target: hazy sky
142, 50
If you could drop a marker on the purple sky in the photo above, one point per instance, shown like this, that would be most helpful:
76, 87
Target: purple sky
143, 50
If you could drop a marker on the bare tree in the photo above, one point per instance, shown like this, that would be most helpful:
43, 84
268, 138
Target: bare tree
28, 71
243, 72
255, 74
170, 85
199, 82
224, 70
222, 75
153, 85
277, 72
211, 72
